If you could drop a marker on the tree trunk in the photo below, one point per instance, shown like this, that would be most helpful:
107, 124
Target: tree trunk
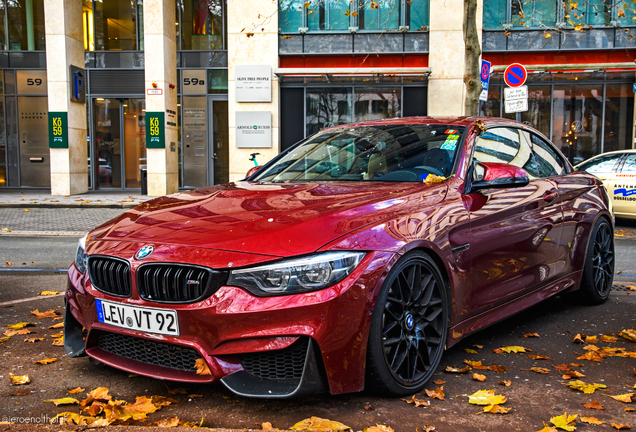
473, 53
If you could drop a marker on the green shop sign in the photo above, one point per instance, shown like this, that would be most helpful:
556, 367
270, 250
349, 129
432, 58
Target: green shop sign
58, 130
155, 130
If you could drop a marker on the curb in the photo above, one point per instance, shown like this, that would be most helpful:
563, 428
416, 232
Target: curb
43, 233
68, 205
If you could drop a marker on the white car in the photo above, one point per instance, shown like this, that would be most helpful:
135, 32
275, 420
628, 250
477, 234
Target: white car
617, 170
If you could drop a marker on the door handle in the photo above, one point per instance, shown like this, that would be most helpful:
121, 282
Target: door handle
550, 196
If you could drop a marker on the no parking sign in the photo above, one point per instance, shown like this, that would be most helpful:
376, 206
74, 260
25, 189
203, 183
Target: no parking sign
485, 78
515, 75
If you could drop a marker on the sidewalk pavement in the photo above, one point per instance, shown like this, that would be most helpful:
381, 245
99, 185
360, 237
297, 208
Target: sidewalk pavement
35, 212
42, 198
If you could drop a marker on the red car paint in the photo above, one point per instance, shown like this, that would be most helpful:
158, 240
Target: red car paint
247, 223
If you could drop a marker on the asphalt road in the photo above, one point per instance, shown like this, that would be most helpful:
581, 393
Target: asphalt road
533, 398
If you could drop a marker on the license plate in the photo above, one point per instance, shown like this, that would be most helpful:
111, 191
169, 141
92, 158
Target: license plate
150, 320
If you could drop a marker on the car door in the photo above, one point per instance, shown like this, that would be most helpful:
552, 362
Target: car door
604, 167
621, 187
515, 234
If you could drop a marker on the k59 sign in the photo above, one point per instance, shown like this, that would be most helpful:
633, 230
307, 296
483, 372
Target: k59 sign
155, 130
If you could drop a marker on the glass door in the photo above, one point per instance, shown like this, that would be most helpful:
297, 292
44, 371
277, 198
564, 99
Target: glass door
120, 142
135, 141
220, 170
108, 158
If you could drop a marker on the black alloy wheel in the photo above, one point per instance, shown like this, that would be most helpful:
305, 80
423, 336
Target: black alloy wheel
598, 272
409, 327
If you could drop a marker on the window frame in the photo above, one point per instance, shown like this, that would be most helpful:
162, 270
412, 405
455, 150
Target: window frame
354, 20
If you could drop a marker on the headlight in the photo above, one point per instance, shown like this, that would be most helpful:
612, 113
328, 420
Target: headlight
81, 257
297, 275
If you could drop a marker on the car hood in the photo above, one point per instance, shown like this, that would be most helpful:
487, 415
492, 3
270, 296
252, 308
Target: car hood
266, 218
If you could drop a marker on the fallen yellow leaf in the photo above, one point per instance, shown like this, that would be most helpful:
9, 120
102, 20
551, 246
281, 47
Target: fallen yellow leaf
584, 387
58, 342
99, 394
10, 333
57, 326
378, 428
511, 349
450, 369
625, 398
628, 334
469, 351
46, 361
564, 422
169, 422
591, 356
486, 397
592, 420
529, 335
48, 293
506, 383
609, 338
417, 402
538, 370
496, 409
33, 340
21, 325
438, 393
594, 405
51, 313
432, 178
478, 377
76, 390
537, 357
19, 379
620, 426
202, 367
319, 424
63, 401
439, 382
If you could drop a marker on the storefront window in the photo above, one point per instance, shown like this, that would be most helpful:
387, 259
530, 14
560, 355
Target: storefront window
577, 128
340, 15
533, 13
116, 24
373, 104
25, 25
217, 81
495, 15
328, 107
379, 15
290, 15
202, 24
619, 116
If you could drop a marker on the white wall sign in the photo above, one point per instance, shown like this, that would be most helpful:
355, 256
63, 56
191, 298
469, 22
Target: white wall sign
516, 105
193, 81
31, 82
511, 93
253, 83
253, 129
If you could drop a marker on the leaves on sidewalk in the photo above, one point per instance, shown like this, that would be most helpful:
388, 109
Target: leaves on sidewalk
57, 326
506, 383
319, 424
19, 379
625, 398
511, 349
58, 342
10, 333
591, 420
76, 390
478, 377
63, 401
438, 393
450, 369
46, 361
564, 422
51, 313
628, 334
594, 405
538, 370
20, 325
585, 387
49, 293
417, 402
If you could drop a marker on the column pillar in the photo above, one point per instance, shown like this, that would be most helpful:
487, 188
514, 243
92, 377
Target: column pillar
447, 57
65, 47
160, 55
252, 40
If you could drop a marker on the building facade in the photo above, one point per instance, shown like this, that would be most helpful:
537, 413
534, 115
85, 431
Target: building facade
223, 79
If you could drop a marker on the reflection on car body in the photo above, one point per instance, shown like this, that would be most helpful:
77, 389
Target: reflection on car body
349, 261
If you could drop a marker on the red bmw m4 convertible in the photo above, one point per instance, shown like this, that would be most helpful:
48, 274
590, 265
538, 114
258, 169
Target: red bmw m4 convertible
350, 261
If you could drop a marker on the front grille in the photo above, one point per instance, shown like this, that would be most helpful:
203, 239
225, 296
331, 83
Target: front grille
177, 283
287, 363
149, 351
110, 275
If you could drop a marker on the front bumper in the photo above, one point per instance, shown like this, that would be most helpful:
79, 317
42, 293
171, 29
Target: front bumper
268, 347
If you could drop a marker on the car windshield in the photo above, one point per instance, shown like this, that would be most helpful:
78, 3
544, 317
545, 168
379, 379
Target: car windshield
402, 153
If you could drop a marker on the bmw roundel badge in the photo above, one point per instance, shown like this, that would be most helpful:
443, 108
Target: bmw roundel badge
144, 252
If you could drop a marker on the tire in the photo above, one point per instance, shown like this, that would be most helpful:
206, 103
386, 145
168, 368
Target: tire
409, 327
598, 271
